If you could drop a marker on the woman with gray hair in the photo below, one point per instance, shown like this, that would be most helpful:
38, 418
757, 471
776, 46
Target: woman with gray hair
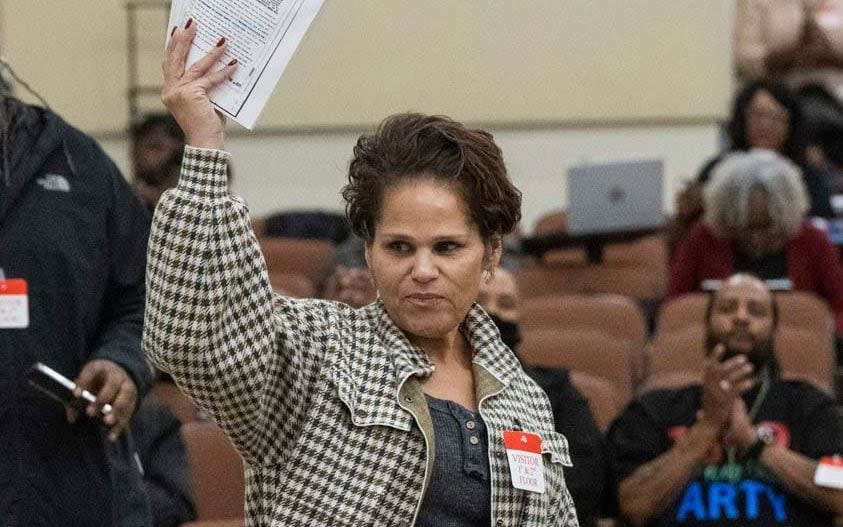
754, 222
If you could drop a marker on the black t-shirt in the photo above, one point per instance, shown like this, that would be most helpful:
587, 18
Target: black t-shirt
801, 417
767, 267
587, 479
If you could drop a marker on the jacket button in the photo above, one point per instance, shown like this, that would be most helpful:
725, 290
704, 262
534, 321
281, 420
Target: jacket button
500, 454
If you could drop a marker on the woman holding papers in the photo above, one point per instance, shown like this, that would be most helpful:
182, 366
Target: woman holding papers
407, 411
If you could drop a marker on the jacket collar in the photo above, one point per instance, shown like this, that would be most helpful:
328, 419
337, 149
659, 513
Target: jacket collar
381, 360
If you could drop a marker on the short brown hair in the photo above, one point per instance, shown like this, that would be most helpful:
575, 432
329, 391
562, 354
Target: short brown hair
410, 145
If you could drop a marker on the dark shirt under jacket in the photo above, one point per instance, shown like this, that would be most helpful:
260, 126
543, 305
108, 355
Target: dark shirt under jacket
459, 494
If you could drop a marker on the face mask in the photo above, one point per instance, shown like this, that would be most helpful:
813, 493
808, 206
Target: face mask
510, 332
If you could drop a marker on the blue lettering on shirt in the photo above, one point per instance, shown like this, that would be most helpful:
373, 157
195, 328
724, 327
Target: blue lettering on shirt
721, 500
751, 490
779, 504
692, 503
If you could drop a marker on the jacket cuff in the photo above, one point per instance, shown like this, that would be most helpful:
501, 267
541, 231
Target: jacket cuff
204, 172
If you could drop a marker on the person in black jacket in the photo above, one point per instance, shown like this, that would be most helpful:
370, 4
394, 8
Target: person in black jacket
71, 228
587, 479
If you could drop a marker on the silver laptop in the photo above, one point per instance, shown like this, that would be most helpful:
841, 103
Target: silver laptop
615, 197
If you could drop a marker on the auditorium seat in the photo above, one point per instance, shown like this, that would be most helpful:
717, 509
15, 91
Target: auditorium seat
168, 394
807, 355
292, 284
553, 222
216, 471
682, 312
584, 349
616, 315
804, 310
603, 398
642, 282
314, 259
675, 358
646, 251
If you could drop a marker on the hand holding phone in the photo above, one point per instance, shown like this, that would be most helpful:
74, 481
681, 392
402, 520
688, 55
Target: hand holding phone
60, 388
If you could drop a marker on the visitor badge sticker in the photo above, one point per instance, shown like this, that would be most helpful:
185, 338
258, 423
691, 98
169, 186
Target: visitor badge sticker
829, 472
524, 451
14, 304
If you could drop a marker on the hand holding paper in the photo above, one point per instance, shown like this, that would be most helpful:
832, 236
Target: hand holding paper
262, 37
185, 91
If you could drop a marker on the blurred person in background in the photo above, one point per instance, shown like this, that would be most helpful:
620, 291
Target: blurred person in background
767, 116
741, 448
157, 145
796, 42
163, 456
754, 222
587, 479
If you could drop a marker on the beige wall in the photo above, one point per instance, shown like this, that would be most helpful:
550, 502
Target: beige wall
499, 62
558, 82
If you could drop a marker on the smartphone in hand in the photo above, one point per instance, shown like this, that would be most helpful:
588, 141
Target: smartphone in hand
60, 388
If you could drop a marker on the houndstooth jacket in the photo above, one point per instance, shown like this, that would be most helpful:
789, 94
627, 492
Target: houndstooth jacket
322, 401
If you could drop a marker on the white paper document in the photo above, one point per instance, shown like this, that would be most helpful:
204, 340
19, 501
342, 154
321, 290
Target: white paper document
261, 34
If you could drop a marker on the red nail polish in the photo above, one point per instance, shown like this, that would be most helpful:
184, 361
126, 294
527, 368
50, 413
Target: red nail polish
173, 31
221, 41
189, 21
233, 62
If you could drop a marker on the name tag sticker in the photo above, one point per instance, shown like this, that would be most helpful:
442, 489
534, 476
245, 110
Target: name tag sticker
14, 304
829, 472
524, 452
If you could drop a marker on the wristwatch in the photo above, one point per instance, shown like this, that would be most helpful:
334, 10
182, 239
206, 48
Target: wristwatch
764, 437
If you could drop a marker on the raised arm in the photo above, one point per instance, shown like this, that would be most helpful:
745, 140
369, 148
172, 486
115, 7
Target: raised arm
210, 319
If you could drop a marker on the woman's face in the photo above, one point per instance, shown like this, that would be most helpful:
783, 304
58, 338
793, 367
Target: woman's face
766, 122
427, 259
760, 236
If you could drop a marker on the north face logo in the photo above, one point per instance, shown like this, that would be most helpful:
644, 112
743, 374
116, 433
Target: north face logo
54, 182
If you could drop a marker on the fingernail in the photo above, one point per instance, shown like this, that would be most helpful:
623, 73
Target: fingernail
173, 31
189, 21
221, 41
233, 62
